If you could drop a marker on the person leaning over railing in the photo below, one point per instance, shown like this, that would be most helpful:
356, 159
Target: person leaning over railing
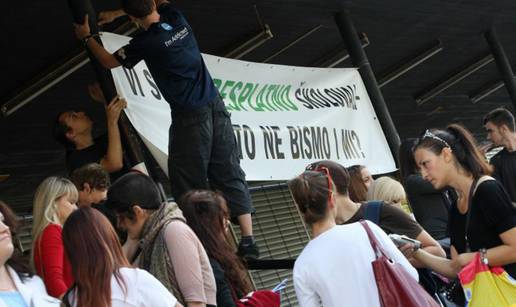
103, 276
18, 285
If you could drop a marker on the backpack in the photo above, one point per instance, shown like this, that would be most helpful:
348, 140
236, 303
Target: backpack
373, 210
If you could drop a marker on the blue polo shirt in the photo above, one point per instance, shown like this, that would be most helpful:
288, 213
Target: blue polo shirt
172, 55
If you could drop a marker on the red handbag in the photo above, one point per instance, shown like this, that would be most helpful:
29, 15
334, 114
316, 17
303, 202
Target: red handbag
396, 287
260, 298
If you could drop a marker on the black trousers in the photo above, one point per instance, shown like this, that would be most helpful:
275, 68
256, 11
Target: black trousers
203, 154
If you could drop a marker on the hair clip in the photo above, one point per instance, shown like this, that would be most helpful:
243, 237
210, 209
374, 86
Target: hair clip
429, 134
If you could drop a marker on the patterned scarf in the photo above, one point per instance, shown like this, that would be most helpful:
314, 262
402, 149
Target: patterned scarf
154, 256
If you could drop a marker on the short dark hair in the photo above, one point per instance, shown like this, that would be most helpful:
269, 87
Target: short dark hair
500, 116
133, 189
339, 174
93, 174
59, 131
138, 8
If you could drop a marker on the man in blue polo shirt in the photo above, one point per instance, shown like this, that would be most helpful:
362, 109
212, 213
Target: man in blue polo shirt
202, 148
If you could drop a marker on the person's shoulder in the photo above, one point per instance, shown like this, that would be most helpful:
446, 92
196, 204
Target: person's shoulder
488, 183
177, 230
52, 229
489, 186
39, 291
167, 10
178, 225
416, 181
414, 178
35, 283
502, 154
391, 210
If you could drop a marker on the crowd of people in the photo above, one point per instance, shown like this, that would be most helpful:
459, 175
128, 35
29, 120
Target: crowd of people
176, 254
456, 211
105, 236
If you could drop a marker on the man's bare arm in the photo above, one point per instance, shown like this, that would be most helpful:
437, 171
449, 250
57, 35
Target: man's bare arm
113, 160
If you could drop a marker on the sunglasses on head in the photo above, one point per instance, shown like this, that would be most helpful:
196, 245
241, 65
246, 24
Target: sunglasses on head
324, 171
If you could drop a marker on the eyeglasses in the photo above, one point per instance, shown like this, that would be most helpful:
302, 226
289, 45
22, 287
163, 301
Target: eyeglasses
429, 134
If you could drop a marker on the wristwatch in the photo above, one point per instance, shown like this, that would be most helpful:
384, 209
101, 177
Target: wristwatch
87, 38
483, 256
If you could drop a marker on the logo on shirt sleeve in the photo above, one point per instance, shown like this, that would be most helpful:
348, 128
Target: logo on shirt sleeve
121, 53
166, 26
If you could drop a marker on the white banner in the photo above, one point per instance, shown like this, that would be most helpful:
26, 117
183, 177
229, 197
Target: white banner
284, 117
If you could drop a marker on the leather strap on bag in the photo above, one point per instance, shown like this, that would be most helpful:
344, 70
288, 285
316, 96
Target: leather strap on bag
472, 190
378, 250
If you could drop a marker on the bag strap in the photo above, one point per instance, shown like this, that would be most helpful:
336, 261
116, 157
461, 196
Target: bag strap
372, 211
472, 190
378, 250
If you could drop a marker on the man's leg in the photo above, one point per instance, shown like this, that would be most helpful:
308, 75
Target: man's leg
189, 151
226, 175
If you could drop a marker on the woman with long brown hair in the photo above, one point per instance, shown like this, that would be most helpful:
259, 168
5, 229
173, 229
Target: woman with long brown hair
207, 214
103, 276
361, 180
483, 220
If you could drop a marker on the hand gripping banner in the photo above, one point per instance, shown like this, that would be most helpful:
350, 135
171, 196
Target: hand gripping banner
284, 117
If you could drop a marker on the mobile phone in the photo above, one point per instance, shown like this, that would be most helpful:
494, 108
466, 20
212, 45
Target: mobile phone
401, 240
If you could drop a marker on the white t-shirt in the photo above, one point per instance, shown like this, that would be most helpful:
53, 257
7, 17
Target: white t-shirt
335, 270
141, 290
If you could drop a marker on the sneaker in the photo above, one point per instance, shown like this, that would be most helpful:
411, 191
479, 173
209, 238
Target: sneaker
248, 251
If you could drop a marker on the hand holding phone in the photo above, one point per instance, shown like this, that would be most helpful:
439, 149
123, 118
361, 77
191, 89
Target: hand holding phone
400, 240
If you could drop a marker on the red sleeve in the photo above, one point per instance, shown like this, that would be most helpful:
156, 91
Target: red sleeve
52, 260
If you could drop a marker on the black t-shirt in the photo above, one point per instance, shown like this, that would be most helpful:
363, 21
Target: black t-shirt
504, 163
492, 213
224, 290
172, 55
429, 205
392, 220
92, 154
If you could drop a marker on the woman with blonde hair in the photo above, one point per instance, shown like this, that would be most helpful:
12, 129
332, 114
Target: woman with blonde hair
54, 200
387, 189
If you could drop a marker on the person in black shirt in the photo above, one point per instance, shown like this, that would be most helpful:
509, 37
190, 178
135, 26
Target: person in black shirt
451, 158
74, 130
202, 146
500, 128
430, 206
